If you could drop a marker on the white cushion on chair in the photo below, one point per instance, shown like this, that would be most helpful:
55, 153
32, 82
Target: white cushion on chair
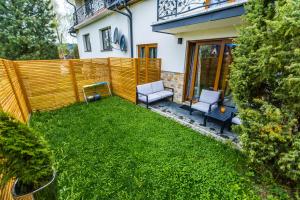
236, 120
164, 94
151, 98
203, 107
157, 86
145, 88
209, 96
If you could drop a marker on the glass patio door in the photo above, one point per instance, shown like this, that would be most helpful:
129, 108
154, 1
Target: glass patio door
208, 67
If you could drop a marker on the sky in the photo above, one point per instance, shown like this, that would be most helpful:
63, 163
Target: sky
62, 8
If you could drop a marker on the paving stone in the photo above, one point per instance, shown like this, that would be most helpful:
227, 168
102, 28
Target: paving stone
173, 110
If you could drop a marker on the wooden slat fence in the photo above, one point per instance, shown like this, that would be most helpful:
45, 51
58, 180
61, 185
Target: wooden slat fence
149, 70
123, 77
53, 84
12, 98
47, 83
39, 85
90, 71
5, 192
127, 73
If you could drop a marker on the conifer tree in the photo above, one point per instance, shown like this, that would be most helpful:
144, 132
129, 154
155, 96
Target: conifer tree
27, 30
265, 79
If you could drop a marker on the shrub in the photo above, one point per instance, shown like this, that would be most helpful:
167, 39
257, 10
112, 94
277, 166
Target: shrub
23, 154
265, 80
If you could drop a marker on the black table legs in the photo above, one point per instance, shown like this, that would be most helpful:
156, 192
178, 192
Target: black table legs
204, 120
222, 125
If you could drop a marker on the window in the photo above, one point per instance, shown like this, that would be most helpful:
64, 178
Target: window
87, 43
142, 52
106, 39
147, 51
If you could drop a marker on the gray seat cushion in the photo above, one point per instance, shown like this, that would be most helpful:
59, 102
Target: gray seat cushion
155, 96
164, 94
151, 98
203, 107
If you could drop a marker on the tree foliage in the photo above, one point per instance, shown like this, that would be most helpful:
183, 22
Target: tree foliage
27, 30
23, 153
265, 80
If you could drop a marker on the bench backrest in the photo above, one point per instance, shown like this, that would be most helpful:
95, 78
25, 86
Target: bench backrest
150, 88
208, 96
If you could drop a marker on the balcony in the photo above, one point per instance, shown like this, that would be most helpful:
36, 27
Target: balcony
88, 9
168, 9
92, 10
172, 15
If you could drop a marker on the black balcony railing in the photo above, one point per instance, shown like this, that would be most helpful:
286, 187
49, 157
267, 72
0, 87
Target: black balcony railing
88, 9
167, 9
91, 7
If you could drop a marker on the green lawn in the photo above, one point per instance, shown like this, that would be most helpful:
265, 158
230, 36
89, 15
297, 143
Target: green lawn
113, 149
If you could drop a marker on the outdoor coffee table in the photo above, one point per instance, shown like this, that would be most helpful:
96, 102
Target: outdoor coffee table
224, 118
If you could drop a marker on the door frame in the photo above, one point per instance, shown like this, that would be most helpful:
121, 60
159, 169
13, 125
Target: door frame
198, 43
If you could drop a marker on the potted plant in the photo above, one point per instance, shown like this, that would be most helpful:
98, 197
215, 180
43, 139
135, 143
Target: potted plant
26, 157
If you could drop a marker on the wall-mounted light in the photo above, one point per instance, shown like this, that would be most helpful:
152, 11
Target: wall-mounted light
179, 40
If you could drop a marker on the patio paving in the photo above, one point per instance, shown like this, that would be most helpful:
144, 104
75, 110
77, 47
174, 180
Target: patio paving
180, 113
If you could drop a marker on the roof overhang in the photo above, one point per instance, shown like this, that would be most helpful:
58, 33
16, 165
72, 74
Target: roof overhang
225, 15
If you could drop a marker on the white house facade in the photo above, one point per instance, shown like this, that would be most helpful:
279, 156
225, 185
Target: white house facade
193, 38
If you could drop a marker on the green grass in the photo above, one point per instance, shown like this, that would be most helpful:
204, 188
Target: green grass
112, 149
